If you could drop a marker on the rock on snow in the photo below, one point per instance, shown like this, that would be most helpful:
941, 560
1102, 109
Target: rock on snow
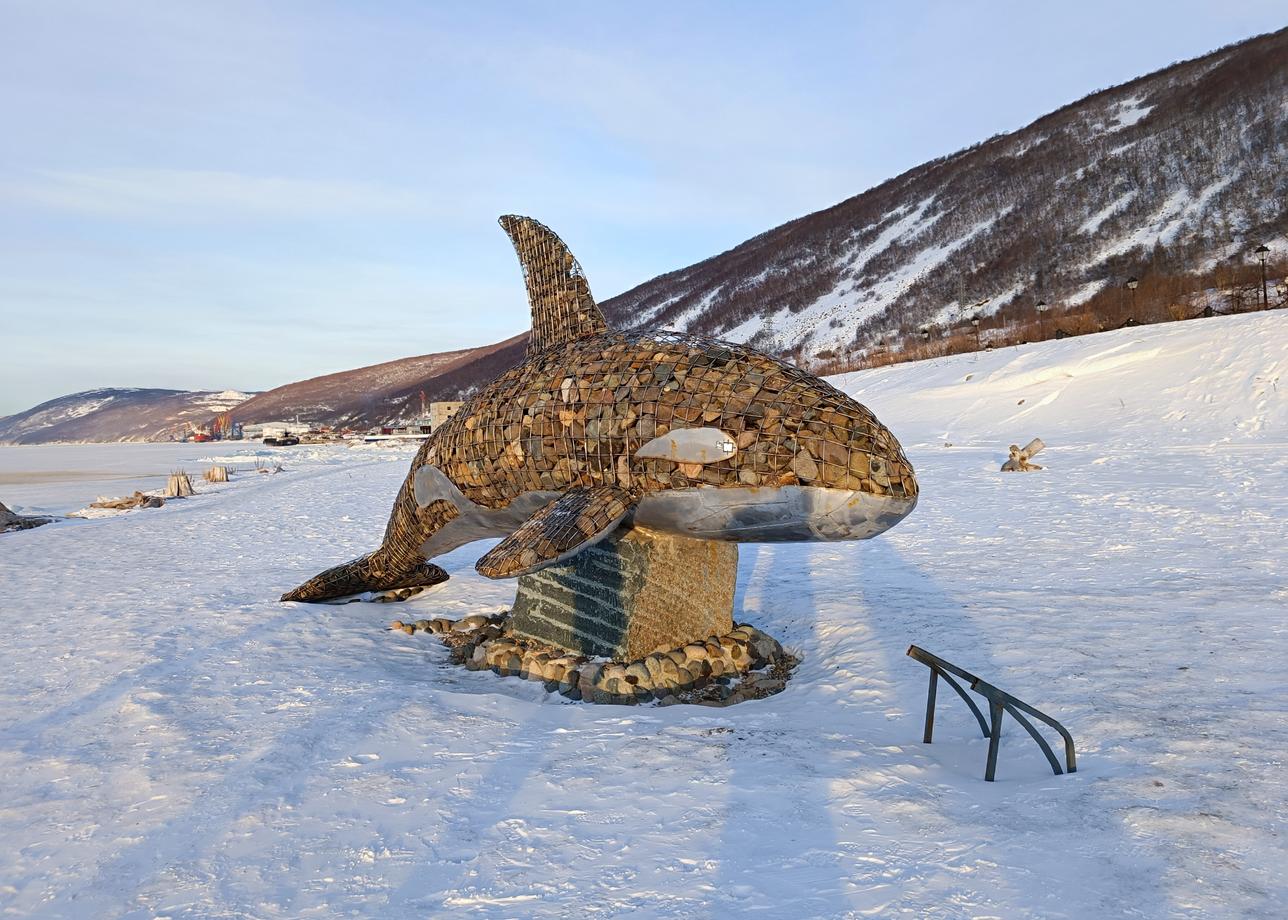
175, 743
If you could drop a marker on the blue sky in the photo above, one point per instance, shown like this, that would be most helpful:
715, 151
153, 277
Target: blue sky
238, 195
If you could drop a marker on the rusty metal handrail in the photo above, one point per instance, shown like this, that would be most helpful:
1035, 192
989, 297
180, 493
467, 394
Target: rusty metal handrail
999, 702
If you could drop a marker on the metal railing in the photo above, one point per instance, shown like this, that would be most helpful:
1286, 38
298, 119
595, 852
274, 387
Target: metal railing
999, 702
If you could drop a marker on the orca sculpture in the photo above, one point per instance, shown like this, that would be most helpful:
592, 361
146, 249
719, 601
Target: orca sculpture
599, 429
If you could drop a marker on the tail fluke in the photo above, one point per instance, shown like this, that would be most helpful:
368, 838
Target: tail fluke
366, 573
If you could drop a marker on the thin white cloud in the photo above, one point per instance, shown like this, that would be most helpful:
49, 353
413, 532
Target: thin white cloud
195, 194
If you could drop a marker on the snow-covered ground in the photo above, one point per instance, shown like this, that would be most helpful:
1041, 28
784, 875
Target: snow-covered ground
61, 478
174, 743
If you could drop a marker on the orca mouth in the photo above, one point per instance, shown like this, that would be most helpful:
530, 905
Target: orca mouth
777, 514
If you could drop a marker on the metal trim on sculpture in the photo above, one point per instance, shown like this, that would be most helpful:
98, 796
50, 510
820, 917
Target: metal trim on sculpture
597, 430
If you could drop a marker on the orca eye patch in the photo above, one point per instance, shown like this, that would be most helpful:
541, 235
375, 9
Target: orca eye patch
689, 445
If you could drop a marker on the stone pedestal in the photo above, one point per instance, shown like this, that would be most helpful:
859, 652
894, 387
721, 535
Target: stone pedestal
634, 593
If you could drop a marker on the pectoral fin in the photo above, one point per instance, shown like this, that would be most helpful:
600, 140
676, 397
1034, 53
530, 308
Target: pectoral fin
579, 518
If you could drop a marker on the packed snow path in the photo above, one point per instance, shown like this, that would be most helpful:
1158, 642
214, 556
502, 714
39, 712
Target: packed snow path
175, 743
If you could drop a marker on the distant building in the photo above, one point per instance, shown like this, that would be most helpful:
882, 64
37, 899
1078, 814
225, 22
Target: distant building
440, 412
275, 429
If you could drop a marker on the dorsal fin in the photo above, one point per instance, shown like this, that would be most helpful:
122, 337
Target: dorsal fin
562, 308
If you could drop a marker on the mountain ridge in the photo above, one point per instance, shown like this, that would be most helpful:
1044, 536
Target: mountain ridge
108, 414
1172, 172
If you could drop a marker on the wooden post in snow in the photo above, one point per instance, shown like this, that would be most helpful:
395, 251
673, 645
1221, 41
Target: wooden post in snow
217, 473
178, 485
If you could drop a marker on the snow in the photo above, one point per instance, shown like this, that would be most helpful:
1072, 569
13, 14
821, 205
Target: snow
855, 302
1086, 291
696, 309
176, 743
745, 330
61, 478
848, 300
82, 409
1178, 211
1092, 223
226, 399
908, 226
646, 316
64, 411
1024, 146
1126, 112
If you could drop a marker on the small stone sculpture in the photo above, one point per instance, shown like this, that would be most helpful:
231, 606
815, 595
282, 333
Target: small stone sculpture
596, 430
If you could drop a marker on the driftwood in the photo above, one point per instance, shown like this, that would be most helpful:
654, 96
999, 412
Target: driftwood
129, 502
178, 485
217, 473
1018, 462
9, 520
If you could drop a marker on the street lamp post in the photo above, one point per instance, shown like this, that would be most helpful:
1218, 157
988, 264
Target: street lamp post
1263, 250
974, 321
1131, 286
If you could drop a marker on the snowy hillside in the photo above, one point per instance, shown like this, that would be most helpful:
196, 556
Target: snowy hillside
176, 743
116, 414
1170, 175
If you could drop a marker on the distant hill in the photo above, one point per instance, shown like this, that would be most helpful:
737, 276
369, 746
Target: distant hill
384, 393
381, 394
115, 414
1173, 178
